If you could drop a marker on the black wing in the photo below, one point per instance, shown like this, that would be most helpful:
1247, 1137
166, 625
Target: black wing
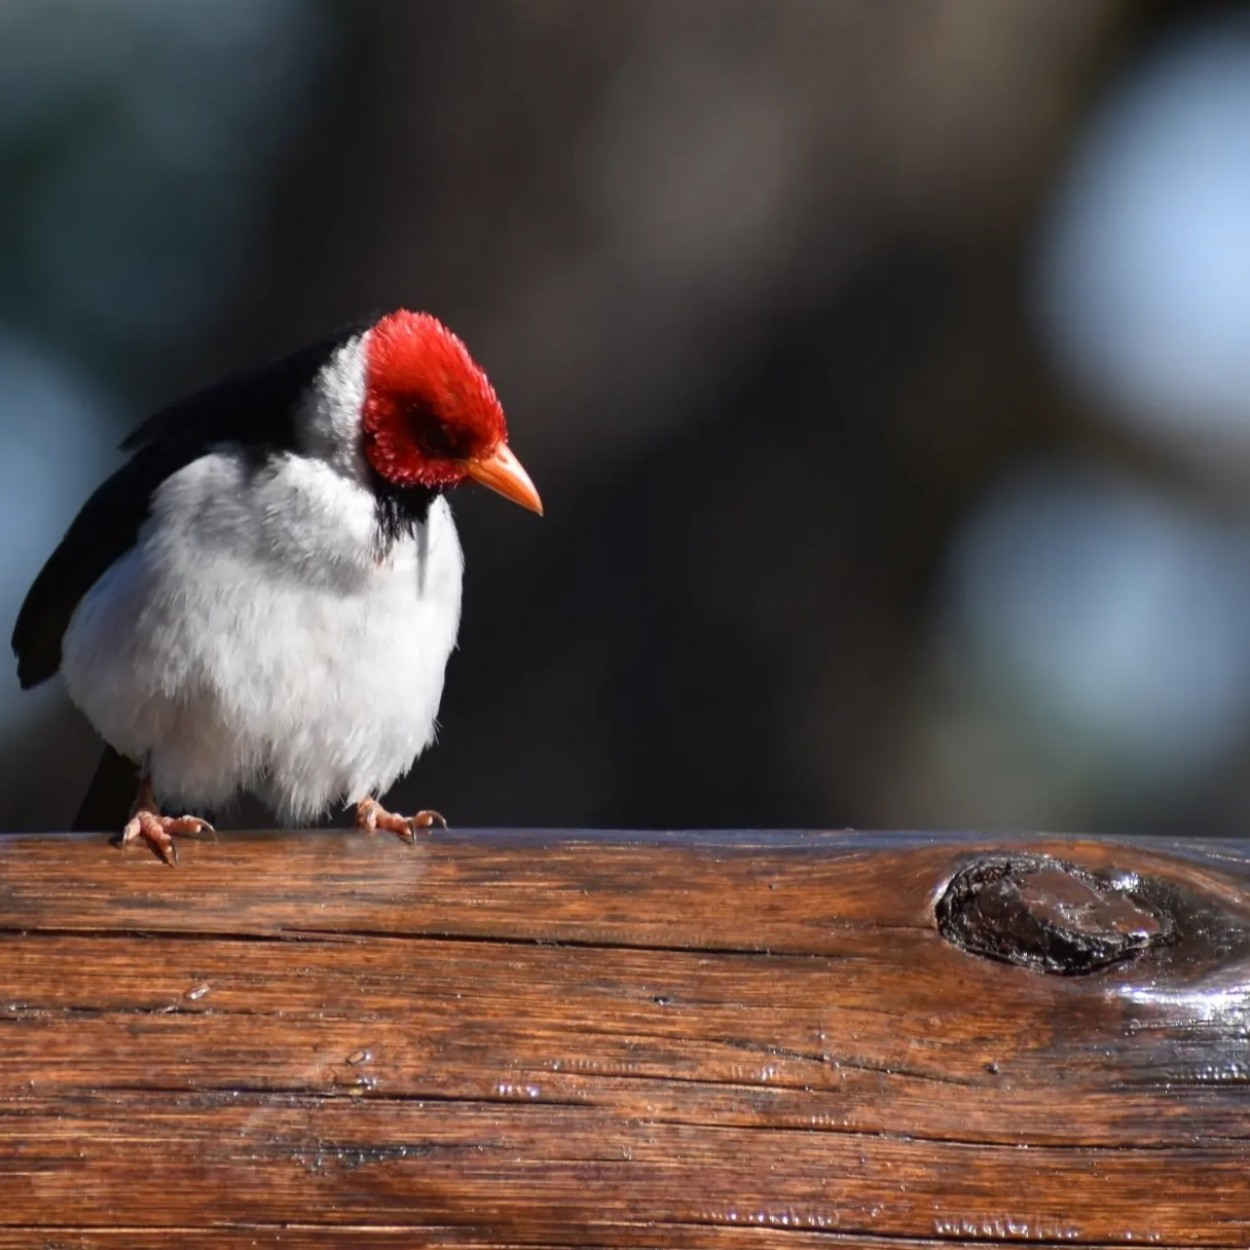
257, 409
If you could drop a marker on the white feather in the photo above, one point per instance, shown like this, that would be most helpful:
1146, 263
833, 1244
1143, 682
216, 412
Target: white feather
252, 639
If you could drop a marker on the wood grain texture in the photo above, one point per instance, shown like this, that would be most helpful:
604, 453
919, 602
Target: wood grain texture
523, 1039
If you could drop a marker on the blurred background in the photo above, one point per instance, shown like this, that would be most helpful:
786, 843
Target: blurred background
885, 370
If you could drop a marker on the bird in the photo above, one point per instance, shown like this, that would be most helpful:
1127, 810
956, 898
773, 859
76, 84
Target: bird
265, 596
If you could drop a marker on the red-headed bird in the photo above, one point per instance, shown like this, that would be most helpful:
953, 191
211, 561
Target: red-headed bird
265, 596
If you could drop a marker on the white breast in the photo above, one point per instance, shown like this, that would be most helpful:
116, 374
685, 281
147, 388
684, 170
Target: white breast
254, 639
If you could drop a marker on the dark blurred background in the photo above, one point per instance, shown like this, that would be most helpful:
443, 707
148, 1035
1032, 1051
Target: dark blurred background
885, 369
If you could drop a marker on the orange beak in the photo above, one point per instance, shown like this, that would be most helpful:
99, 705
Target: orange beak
502, 472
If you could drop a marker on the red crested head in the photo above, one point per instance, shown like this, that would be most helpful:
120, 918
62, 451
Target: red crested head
430, 417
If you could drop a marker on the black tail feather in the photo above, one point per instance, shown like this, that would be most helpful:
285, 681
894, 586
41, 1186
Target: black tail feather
106, 805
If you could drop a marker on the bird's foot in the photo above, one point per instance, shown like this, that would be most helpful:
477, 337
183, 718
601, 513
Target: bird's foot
158, 831
371, 815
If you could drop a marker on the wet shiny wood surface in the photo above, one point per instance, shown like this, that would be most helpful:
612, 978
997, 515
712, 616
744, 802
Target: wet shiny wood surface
546, 1039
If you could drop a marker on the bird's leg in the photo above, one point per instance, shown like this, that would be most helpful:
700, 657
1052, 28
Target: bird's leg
157, 831
371, 815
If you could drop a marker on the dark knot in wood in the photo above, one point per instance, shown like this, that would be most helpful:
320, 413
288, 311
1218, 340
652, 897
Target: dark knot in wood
1049, 915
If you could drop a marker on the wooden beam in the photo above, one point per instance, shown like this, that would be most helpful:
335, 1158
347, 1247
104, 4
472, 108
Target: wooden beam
495, 1039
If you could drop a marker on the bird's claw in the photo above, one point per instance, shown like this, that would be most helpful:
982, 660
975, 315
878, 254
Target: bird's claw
158, 832
371, 815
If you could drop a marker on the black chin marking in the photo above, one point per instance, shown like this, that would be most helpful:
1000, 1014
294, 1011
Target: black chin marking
399, 510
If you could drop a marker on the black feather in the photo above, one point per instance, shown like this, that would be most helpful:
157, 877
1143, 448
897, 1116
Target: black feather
256, 410
400, 509
106, 805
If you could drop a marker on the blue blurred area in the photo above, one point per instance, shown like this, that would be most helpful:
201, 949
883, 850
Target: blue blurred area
1144, 268
884, 370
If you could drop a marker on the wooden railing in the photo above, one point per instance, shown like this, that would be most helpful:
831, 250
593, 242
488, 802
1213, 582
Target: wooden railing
623, 1040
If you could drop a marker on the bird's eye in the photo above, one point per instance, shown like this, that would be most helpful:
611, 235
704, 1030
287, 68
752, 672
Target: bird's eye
432, 435
436, 440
